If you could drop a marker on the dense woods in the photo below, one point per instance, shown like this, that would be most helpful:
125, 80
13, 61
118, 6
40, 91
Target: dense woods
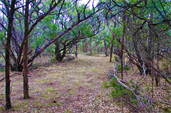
133, 35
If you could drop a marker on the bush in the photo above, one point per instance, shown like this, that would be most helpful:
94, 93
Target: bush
126, 68
116, 58
94, 52
118, 90
53, 59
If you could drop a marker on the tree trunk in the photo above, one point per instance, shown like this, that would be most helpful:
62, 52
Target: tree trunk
76, 50
150, 44
85, 46
7, 57
137, 52
105, 48
90, 45
157, 76
57, 51
25, 57
111, 50
122, 46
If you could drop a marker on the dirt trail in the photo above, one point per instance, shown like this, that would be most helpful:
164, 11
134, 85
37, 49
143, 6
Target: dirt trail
67, 87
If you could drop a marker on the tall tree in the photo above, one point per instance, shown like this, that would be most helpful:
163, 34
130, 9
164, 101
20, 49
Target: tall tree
25, 62
10, 11
123, 37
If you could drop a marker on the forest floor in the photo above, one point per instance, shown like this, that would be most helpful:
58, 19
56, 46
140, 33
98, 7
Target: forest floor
65, 87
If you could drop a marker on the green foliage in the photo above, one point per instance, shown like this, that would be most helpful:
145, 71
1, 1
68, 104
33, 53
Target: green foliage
134, 101
2, 35
1, 69
167, 109
1, 97
51, 49
67, 111
94, 52
119, 67
116, 58
126, 68
53, 59
131, 82
117, 89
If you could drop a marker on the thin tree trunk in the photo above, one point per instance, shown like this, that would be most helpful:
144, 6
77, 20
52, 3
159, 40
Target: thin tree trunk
7, 57
105, 48
90, 45
76, 50
122, 46
152, 75
111, 49
157, 76
57, 50
25, 57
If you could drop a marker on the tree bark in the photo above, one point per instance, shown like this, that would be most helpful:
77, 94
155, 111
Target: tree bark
111, 49
25, 57
57, 50
157, 76
122, 46
7, 57
105, 48
90, 45
76, 50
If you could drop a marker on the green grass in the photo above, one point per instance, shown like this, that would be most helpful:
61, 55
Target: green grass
72, 92
67, 111
17, 107
76, 83
20, 81
50, 89
48, 105
45, 96
36, 103
2, 108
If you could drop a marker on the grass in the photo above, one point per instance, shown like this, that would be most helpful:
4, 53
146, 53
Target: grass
50, 89
67, 111
76, 83
66, 86
36, 103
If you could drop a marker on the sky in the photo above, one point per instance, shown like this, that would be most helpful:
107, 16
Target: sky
81, 1
90, 4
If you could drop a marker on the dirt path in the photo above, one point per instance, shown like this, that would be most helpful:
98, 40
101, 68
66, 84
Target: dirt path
68, 87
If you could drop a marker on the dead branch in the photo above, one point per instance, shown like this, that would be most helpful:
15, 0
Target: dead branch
139, 96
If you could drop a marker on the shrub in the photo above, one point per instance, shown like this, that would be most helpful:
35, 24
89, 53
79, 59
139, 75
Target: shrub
126, 68
53, 59
118, 90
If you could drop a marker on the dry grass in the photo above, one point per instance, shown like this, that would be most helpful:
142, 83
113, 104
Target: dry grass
75, 87
66, 87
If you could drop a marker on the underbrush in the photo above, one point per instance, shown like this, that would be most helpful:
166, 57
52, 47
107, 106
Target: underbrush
133, 98
138, 92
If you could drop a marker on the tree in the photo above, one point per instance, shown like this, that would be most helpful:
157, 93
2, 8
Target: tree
32, 17
80, 17
25, 48
138, 10
36, 16
10, 11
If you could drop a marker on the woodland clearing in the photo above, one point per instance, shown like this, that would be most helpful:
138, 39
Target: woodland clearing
71, 87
